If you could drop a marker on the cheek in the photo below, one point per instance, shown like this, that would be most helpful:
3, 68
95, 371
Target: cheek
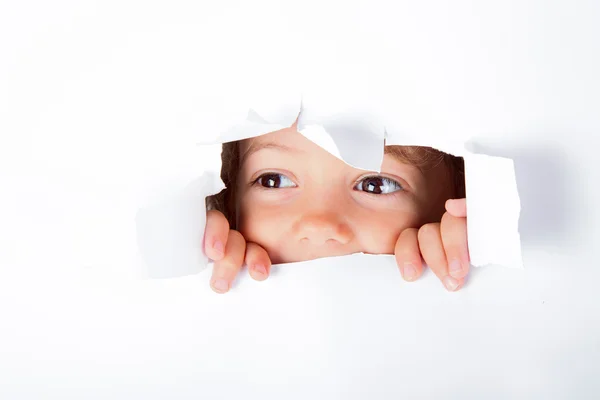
262, 225
379, 231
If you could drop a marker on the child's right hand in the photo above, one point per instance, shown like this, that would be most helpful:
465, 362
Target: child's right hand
229, 250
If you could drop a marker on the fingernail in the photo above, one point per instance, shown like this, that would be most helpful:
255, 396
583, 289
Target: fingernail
450, 283
410, 272
455, 266
220, 285
218, 246
261, 269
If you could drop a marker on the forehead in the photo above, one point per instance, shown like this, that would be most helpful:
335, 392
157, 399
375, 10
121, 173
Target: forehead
287, 137
286, 140
291, 141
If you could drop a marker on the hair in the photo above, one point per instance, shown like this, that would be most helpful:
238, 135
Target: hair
422, 157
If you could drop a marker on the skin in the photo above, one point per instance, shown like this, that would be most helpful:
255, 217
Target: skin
298, 202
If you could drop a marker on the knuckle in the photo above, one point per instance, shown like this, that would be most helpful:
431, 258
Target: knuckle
217, 218
408, 234
236, 236
254, 250
257, 254
234, 257
428, 231
447, 218
227, 264
407, 244
236, 245
453, 230
212, 215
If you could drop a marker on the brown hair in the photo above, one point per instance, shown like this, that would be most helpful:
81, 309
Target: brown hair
419, 156
426, 158
224, 201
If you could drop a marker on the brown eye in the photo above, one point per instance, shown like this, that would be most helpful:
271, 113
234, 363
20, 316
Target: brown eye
275, 181
378, 185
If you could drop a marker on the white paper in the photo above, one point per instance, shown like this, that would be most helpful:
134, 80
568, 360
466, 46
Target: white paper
102, 105
357, 138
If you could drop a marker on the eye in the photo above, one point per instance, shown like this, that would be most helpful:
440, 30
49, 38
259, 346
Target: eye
275, 181
378, 185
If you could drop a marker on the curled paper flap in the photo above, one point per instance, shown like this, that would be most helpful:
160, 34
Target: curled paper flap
349, 137
493, 209
171, 232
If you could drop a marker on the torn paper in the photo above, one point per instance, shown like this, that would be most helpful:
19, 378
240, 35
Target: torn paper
171, 231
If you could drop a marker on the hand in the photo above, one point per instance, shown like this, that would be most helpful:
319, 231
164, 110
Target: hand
229, 250
442, 245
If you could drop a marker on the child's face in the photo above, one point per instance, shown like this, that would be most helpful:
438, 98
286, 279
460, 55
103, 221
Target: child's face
299, 202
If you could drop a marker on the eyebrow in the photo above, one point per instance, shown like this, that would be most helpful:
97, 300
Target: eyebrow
258, 146
420, 161
398, 156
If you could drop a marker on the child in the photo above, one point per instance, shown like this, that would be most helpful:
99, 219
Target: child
289, 200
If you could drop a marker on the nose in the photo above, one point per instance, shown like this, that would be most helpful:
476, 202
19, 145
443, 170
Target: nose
323, 228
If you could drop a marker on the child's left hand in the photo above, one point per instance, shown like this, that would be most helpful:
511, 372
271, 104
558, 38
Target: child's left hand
442, 245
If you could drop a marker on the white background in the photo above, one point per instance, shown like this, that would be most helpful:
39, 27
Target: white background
101, 100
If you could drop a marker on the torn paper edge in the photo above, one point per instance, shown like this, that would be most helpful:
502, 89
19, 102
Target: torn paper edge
493, 204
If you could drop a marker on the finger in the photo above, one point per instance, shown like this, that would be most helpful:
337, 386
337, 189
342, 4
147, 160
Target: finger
408, 256
432, 250
457, 207
226, 269
215, 235
454, 240
258, 261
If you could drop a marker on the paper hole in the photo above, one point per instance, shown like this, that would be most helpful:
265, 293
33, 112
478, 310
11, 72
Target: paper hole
300, 218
